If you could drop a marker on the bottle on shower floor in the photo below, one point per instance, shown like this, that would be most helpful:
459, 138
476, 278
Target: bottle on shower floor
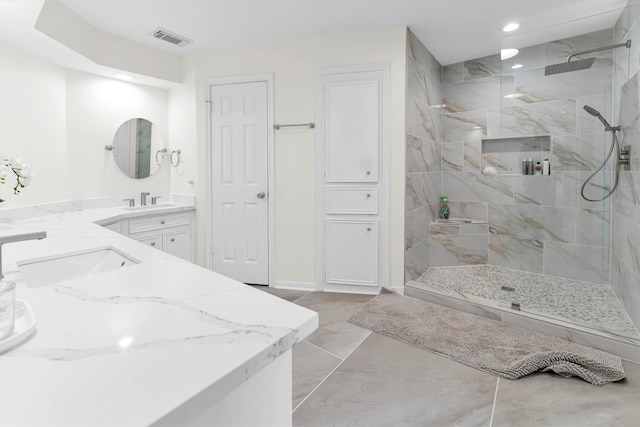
444, 207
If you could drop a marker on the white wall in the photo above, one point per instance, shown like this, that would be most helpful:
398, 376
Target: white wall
96, 107
33, 125
60, 120
293, 63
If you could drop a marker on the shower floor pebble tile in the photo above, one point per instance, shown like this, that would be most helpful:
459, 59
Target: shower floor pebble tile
588, 304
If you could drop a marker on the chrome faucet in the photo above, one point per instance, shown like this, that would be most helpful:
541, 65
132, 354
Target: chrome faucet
143, 198
35, 235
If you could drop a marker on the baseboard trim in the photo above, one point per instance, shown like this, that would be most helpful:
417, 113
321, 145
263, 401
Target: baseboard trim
297, 286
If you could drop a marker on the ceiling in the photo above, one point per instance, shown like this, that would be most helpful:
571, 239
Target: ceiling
453, 30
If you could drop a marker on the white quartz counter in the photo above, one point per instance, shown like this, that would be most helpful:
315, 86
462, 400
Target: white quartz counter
128, 346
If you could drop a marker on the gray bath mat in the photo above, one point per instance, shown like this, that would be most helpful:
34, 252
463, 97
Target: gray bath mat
482, 343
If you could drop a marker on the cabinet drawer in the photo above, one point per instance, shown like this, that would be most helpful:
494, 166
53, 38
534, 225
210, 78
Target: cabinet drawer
352, 201
158, 222
153, 241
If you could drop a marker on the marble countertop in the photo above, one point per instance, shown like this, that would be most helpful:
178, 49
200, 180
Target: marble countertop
128, 346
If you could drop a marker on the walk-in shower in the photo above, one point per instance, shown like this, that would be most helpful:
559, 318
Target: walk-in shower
571, 262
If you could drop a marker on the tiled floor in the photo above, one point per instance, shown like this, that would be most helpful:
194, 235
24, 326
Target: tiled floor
344, 375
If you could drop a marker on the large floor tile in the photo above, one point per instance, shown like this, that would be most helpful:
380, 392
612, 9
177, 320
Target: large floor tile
288, 294
545, 399
388, 383
311, 366
335, 334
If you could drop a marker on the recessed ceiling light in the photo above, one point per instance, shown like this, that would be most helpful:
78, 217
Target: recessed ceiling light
511, 27
123, 76
516, 66
508, 53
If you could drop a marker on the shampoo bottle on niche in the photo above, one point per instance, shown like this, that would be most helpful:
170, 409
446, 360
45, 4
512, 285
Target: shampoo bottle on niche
545, 167
444, 207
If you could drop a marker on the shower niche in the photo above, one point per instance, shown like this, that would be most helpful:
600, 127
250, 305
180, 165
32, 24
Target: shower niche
506, 154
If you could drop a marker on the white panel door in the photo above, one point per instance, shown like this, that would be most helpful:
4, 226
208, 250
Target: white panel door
352, 124
352, 252
239, 137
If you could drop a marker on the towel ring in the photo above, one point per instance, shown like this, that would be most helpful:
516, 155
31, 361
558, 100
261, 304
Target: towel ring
161, 153
177, 161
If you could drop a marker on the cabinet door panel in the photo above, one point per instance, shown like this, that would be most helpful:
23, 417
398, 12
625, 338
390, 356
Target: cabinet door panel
178, 243
155, 241
352, 252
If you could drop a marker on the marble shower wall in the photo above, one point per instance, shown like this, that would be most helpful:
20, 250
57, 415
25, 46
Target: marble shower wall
423, 153
536, 223
625, 244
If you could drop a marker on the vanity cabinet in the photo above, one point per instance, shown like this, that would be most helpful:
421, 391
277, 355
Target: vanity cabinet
168, 232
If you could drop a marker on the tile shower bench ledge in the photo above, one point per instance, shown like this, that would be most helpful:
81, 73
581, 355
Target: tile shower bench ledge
162, 342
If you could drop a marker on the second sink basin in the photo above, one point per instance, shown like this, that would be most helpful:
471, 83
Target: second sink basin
74, 265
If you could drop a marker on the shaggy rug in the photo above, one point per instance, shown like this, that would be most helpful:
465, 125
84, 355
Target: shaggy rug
491, 346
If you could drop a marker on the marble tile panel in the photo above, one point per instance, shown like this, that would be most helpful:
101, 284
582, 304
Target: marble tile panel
432, 187
557, 51
588, 124
472, 156
427, 122
416, 261
444, 229
472, 95
626, 198
577, 262
453, 73
386, 391
626, 284
410, 116
457, 250
311, 366
452, 156
416, 84
511, 252
530, 58
422, 155
409, 237
488, 66
593, 227
465, 126
475, 187
634, 51
411, 193
551, 190
630, 101
597, 188
545, 399
626, 241
582, 152
546, 223
553, 117
627, 19
474, 210
533, 86
418, 52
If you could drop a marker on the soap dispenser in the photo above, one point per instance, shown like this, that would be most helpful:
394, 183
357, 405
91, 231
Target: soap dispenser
444, 207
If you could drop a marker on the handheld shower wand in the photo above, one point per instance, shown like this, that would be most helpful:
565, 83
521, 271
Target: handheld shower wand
621, 159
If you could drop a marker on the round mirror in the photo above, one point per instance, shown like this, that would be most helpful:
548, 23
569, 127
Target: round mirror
138, 148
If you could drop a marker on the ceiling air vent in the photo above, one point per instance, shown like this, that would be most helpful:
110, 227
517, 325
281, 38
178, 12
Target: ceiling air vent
170, 37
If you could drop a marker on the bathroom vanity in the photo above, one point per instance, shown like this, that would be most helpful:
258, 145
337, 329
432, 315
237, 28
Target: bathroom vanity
154, 340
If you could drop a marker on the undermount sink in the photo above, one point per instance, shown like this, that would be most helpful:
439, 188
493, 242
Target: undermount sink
74, 265
149, 207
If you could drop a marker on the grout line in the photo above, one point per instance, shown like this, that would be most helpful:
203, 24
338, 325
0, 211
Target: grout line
332, 371
326, 351
495, 399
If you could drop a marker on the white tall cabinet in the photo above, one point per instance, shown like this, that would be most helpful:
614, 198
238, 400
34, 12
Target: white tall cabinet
352, 177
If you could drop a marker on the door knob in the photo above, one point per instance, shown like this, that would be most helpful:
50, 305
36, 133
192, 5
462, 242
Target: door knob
261, 195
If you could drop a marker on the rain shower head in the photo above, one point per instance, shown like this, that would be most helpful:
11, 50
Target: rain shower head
566, 67
597, 114
581, 64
